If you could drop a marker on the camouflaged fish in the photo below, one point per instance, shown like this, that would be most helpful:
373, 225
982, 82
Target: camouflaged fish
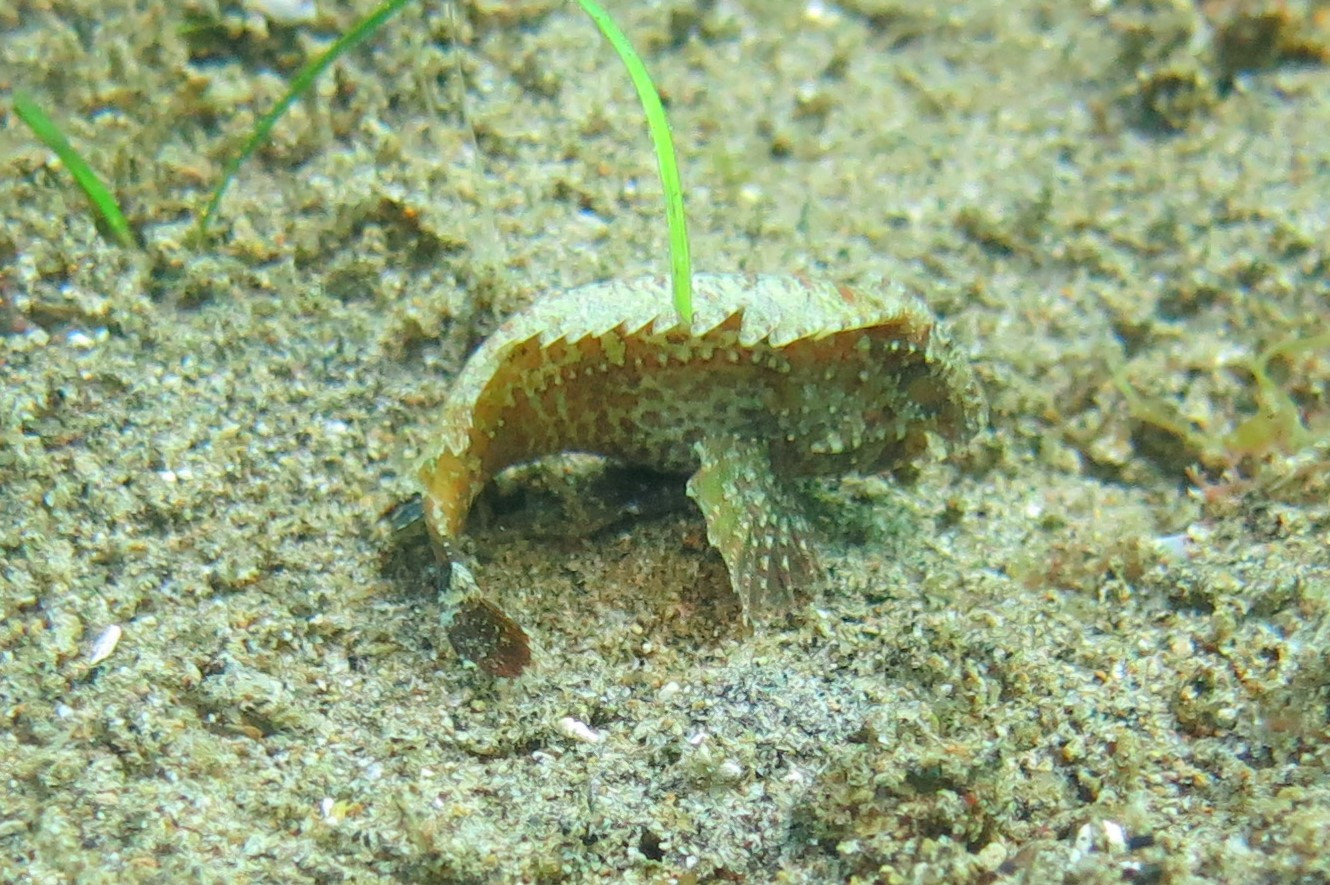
777, 377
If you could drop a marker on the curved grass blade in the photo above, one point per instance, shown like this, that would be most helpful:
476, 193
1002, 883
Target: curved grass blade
299, 86
103, 201
659, 126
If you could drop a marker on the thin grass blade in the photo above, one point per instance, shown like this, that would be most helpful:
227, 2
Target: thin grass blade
99, 195
659, 126
299, 86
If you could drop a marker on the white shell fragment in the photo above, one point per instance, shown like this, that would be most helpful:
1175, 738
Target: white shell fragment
104, 645
285, 12
579, 731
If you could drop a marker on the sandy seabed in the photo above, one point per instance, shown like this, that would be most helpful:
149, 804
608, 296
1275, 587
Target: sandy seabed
1093, 648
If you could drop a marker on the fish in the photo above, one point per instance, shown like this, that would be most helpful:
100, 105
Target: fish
777, 377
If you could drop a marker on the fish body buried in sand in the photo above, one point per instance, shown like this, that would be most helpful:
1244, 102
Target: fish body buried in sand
777, 376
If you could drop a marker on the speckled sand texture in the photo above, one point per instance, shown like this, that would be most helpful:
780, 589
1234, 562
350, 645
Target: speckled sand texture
1094, 648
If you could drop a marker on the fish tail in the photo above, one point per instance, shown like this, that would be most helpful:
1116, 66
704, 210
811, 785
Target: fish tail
478, 629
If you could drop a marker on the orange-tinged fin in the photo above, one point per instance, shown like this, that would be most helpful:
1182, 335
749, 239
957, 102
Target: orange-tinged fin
754, 522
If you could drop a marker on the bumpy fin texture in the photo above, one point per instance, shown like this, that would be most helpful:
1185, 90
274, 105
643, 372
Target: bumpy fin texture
755, 523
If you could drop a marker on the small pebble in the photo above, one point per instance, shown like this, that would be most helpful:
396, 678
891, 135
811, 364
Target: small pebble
579, 731
104, 645
285, 12
729, 770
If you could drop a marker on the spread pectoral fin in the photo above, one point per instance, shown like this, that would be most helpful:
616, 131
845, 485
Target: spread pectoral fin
754, 522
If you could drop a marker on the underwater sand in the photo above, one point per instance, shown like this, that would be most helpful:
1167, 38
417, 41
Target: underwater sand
1055, 657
